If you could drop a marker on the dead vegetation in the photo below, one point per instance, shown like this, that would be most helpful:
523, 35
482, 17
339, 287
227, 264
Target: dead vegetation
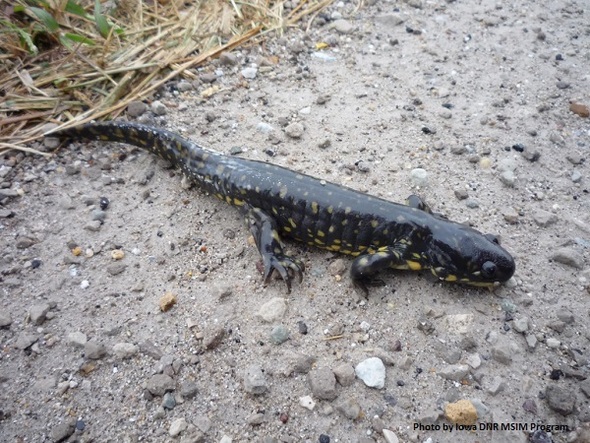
72, 61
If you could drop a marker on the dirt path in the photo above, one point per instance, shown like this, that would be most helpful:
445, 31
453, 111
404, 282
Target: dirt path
467, 104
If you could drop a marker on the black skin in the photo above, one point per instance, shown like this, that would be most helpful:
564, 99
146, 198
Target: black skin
278, 202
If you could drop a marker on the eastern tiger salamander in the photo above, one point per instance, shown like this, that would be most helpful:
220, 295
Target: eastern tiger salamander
278, 202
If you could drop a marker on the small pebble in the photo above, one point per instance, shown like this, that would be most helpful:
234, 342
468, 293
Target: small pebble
568, 256
177, 426
559, 399
5, 319
580, 109
25, 340
159, 384
345, 374
273, 310
521, 324
158, 108
94, 350
125, 350
504, 350
117, 254
63, 430
104, 203
562, 84
498, 385
213, 337
254, 380
389, 436
168, 401
419, 177
228, 59
454, 372
576, 177
167, 301
38, 313
136, 108
462, 412
188, 389
461, 194
307, 402
279, 334
349, 408
249, 73
372, 372
116, 268
323, 383
294, 130
342, 26
302, 327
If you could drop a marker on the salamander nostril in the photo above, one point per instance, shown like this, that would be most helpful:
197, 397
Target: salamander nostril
493, 238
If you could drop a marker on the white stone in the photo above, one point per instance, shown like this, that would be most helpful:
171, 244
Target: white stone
307, 402
390, 436
177, 427
372, 372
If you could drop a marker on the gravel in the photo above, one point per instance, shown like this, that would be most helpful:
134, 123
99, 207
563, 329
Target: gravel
462, 101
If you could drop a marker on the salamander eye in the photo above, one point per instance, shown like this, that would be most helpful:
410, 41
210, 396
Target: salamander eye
488, 269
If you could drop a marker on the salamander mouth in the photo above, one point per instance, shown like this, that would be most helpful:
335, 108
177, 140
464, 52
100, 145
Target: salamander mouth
475, 280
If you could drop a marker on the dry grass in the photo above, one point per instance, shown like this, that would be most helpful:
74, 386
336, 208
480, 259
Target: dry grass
160, 40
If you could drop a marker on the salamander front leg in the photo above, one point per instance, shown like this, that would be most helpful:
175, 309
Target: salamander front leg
365, 266
264, 229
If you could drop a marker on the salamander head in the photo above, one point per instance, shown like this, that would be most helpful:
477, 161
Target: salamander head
464, 255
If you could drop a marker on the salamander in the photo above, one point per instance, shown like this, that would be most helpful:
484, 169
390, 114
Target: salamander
278, 202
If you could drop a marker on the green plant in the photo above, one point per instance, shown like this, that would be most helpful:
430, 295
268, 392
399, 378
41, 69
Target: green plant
65, 22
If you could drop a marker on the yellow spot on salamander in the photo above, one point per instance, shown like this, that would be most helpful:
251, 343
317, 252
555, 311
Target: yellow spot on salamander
330, 209
451, 277
374, 223
314, 207
364, 261
321, 233
228, 199
287, 228
318, 241
347, 210
414, 265
283, 192
238, 202
274, 211
331, 229
292, 222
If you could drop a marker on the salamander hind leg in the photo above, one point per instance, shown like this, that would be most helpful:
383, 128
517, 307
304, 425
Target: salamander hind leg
264, 229
364, 267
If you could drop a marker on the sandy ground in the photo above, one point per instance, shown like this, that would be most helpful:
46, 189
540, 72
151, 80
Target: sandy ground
476, 94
